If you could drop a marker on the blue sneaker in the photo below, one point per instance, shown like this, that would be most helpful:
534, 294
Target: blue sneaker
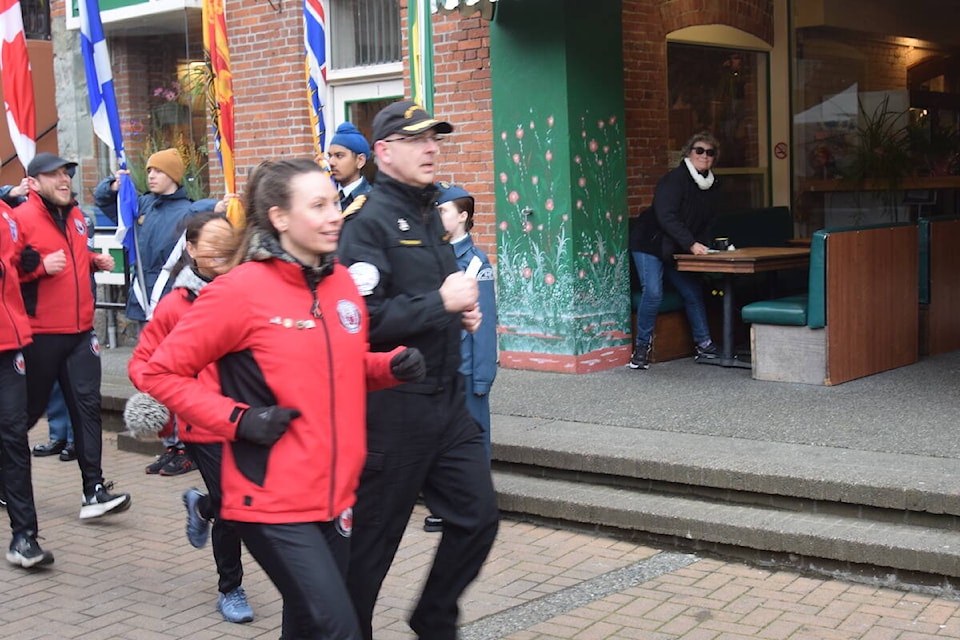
233, 606
198, 528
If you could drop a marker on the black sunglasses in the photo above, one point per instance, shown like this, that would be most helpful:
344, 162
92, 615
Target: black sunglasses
703, 150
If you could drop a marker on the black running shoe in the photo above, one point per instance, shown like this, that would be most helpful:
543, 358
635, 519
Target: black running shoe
154, 467
26, 552
102, 503
709, 352
641, 357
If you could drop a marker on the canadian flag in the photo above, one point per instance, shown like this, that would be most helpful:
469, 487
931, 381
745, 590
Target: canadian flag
18, 101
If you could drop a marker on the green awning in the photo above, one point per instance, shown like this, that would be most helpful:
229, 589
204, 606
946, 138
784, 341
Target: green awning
465, 7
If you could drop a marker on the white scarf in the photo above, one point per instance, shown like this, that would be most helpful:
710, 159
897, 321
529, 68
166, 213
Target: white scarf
703, 183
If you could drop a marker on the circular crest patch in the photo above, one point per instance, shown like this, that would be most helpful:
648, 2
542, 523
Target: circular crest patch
79, 225
366, 276
94, 345
345, 523
19, 364
349, 316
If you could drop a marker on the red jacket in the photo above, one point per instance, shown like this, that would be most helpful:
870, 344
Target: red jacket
276, 341
15, 329
61, 303
170, 308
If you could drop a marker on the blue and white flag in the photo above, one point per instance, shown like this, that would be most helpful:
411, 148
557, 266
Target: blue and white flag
96, 62
106, 116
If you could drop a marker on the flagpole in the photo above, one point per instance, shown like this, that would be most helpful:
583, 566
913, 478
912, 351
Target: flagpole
106, 124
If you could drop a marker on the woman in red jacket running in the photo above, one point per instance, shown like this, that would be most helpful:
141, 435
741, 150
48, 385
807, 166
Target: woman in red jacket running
210, 247
287, 330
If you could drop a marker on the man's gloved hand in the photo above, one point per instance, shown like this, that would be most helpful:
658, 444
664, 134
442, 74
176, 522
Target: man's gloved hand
29, 259
265, 425
408, 365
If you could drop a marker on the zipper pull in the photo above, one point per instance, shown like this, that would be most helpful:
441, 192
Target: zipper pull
315, 311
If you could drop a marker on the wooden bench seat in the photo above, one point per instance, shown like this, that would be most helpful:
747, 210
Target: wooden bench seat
858, 316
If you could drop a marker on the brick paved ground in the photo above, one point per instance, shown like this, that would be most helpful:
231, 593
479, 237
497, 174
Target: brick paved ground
134, 577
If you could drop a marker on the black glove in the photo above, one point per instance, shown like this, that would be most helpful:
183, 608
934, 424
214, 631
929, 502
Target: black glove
29, 259
408, 365
265, 425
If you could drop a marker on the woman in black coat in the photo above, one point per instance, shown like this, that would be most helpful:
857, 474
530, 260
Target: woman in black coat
678, 222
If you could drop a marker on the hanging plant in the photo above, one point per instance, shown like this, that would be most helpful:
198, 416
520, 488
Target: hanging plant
199, 83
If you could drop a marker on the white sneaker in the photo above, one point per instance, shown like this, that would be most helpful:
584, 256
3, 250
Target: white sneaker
102, 503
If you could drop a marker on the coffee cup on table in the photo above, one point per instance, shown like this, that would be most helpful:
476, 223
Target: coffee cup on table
721, 244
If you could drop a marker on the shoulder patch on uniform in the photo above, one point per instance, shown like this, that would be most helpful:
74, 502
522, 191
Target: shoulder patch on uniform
354, 206
366, 276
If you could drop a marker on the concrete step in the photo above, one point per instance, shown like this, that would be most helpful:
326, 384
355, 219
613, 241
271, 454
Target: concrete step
113, 397
824, 475
126, 442
903, 547
805, 503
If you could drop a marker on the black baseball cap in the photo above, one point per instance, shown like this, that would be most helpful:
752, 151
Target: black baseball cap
408, 118
46, 162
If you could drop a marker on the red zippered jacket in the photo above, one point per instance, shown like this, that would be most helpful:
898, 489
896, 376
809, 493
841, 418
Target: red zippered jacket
60, 303
276, 342
15, 331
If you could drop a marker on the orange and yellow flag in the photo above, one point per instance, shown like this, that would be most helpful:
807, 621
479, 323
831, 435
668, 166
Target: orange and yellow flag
215, 42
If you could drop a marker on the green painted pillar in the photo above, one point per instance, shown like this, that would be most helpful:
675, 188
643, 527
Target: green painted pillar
560, 159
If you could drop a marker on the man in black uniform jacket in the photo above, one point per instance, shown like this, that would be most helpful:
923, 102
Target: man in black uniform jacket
421, 438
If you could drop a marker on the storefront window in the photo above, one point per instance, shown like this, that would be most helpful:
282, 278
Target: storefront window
723, 91
875, 122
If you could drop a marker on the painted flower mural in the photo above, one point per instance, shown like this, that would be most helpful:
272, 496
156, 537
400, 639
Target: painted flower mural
564, 280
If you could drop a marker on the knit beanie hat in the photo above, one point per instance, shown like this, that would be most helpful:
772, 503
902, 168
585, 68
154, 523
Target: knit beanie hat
168, 161
348, 136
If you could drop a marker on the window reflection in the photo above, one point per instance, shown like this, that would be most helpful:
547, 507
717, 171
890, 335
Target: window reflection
723, 91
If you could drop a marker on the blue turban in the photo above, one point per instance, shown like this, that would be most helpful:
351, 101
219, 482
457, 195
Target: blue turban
348, 136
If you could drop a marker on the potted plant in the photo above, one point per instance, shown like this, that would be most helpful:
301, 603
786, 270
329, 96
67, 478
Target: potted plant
934, 148
170, 110
880, 151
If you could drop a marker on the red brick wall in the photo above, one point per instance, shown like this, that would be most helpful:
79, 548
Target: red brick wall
753, 16
462, 96
269, 84
645, 94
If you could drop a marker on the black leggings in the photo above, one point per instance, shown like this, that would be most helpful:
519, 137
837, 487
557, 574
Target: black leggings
224, 536
14, 450
73, 360
306, 562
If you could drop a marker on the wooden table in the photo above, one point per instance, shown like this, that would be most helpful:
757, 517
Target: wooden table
731, 263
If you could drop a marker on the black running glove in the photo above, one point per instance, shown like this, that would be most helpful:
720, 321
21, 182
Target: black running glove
408, 365
265, 425
29, 259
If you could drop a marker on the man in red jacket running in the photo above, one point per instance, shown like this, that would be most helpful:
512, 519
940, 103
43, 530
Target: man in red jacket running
59, 302
15, 334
